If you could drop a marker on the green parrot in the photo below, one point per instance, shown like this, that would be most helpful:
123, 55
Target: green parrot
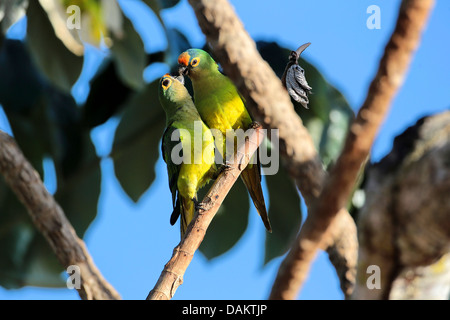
221, 107
187, 148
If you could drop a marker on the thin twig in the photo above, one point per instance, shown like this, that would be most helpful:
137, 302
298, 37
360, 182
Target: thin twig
50, 220
269, 103
392, 69
172, 275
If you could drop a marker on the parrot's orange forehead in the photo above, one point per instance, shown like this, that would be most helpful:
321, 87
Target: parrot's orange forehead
184, 59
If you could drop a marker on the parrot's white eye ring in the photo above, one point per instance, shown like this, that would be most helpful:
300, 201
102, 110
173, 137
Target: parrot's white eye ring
195, 62
166, 83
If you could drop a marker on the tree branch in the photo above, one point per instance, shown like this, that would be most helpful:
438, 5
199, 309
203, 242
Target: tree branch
270, 104
393, 66
50, 220
172, 275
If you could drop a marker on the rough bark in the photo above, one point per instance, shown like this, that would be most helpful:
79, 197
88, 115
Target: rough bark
50, 220
405, 223
269, 103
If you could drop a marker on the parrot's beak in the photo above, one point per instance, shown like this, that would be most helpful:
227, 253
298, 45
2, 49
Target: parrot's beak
180, 78
183, 70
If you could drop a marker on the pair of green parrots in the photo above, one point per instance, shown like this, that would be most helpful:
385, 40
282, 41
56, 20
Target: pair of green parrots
217, 105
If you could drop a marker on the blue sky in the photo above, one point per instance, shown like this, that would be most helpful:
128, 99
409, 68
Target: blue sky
130, 243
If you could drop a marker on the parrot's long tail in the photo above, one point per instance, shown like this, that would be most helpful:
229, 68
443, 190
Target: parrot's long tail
252, 180
187, 211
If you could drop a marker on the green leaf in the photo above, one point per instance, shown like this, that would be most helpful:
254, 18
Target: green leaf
107, 95
284, 213
129, 56
229, 224
59, 65
136, 145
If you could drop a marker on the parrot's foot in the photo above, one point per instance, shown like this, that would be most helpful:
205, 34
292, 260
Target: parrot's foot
223, 168
199, 206
255, 125
226, 167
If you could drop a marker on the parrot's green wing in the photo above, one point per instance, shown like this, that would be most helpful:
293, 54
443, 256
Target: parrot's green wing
173, 170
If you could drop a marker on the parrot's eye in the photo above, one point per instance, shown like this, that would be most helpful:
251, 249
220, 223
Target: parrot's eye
195, 62
166, 83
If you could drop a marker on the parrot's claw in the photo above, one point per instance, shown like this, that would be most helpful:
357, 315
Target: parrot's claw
198, 205
254, 125
225, 167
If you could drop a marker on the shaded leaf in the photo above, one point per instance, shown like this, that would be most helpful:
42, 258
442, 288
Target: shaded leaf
229, 224
177, 44
78, 192
129, 56
165, 4
136, 145
61, 66
21, 261
284, 213
26, 112
108, 93
329, 117
42, 268
157, 56
158, 5
19, 75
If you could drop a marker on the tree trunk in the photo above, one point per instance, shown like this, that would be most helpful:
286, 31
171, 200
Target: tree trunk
404, 227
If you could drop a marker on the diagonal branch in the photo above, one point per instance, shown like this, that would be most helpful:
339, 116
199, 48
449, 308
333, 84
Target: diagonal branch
172, 275
50, 220
392, 69
269, 103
